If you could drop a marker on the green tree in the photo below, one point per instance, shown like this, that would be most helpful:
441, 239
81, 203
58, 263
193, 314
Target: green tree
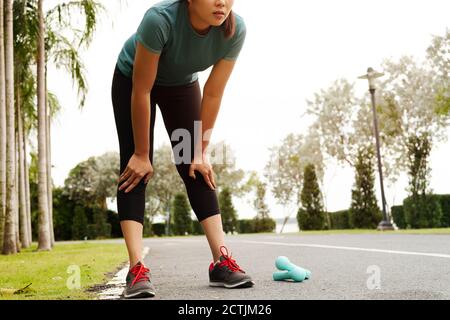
9, 225
311, 215
63, 215
181, 215
92, 181
100, 228
2, 127
79, 224
438, 58
406, 109
364, 211
223, 162
262, 220
284, 171
163, 186
229, 216
31, 48
422, 210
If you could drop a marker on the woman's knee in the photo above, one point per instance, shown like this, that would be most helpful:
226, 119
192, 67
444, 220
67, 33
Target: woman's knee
131, 205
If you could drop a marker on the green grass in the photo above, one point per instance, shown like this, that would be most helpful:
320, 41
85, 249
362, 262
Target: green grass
47, 271
370, 231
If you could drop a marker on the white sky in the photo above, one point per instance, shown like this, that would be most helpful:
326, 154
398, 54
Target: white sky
293, 49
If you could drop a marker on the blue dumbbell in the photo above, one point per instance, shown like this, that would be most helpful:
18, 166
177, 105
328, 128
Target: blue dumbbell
293, 272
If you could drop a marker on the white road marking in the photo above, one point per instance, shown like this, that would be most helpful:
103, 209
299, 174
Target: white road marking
412, 253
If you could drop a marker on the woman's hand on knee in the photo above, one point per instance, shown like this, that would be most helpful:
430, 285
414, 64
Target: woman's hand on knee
204, 167
138, 168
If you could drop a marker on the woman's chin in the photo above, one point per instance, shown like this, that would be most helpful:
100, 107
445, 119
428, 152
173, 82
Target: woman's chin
217, 24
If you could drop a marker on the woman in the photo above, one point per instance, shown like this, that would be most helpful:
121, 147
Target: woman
158, 65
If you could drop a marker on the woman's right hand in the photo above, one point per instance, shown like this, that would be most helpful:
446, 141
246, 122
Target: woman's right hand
138, 167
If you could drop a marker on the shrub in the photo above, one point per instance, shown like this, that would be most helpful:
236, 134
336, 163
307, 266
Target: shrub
364, 211
246, 226
263, 225
444, 200
311, 216
340, 219
399, 216
422, 211
159, 229
181, 215
197, 227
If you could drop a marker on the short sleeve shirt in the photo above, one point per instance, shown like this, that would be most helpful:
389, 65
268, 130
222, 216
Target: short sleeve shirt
166, 30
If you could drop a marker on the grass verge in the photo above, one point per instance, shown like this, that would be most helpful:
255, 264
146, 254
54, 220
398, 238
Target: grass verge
52, 275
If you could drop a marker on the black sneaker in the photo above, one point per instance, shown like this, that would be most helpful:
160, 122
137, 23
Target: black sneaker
226, 273
138, 283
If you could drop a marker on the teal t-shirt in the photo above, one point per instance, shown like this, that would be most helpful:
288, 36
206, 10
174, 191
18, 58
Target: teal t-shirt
166, 30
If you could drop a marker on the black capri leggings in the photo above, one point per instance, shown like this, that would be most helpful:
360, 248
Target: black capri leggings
180, 107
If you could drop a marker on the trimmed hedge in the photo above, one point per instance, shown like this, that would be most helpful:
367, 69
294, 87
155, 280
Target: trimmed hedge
340, 219
264, 225
424, 211
256, 225
102, 231
399, 216
311, 220
159, 229
246, 226
197, 227
444, 200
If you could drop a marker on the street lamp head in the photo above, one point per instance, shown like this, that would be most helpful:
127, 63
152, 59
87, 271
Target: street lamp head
371, 76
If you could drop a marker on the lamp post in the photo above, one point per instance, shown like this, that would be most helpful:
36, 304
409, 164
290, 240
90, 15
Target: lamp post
371, 75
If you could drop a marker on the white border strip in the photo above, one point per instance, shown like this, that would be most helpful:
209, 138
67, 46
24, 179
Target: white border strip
412, 253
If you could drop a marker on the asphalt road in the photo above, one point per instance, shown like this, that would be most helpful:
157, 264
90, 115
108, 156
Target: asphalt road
378, 266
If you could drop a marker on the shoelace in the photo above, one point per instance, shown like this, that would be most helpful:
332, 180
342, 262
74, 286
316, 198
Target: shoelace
140, 273
228, 262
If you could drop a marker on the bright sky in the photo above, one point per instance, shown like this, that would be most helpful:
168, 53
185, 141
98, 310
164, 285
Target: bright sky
293, 49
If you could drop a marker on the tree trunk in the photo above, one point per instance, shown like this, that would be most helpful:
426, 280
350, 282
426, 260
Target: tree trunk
27, 188
49, 164
44, 232
9, 240
2, 130
23, 226
16, 183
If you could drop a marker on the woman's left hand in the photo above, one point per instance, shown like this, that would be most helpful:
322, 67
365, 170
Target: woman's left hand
204, 167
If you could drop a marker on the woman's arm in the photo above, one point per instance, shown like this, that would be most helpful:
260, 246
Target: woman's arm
144, 73
212, 97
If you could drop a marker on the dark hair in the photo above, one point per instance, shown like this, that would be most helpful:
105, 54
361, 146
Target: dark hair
228, 26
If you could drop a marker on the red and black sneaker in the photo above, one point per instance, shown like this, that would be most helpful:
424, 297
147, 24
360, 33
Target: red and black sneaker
226, 273
138, 283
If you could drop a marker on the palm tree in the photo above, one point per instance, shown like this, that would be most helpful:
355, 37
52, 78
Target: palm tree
65, 54
16, 182
25, 34
2, 128
9, 240
44, 225
25, 238
49, 162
